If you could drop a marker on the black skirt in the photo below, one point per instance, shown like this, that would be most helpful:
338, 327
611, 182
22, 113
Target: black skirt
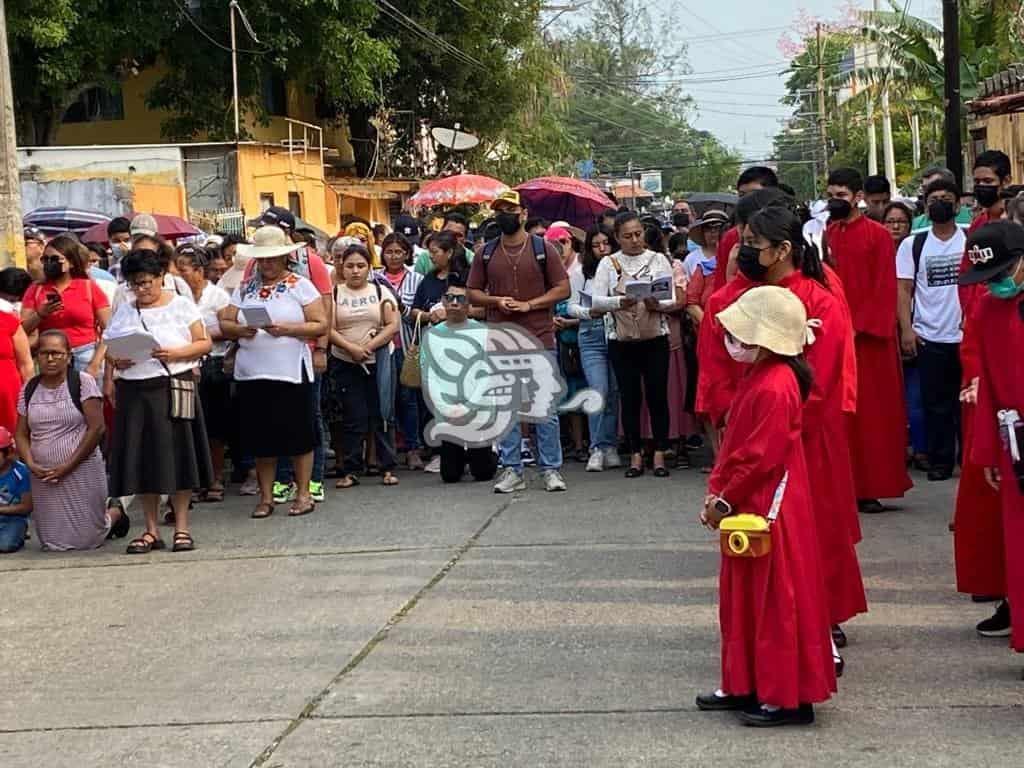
276, 418
150, 451
215, 394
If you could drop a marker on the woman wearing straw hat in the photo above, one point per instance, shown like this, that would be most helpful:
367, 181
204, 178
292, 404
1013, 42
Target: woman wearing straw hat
274, 365
776, 647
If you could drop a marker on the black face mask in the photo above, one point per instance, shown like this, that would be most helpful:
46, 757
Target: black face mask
52, 269
941, 211
750, 265
508, 223
680, 219
986, 194
839, 209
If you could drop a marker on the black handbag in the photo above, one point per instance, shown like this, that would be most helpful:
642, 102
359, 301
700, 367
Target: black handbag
569, 359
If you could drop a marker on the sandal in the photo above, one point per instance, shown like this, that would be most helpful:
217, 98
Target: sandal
262, 510
215, 494
373, 471
348, 481
183, 542
297, 511
145, 544
389, 478
661, 472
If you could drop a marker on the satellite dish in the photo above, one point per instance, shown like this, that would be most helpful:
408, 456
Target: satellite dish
454, 138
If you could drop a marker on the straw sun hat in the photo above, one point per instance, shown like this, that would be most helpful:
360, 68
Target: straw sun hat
268, 242
769, 317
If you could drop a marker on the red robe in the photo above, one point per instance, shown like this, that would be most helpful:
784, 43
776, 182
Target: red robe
1000, 329
978, 546
774, 621
717, 373
866, 262
725, 245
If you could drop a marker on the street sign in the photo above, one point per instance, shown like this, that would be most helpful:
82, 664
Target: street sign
650, 181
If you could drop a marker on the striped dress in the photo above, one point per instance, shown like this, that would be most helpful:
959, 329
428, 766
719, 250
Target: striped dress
70, 514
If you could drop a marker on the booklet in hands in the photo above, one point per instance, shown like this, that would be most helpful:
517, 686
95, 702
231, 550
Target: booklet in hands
660, 288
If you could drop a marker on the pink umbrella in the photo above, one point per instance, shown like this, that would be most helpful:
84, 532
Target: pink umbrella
169, 228
453, 190
560, 198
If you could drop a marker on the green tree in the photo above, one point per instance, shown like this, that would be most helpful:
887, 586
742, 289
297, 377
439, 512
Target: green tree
61, 48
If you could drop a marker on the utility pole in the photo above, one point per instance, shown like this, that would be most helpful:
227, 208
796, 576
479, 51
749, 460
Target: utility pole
887, 147
871, 58
234, 67
632, 184
822, 126
12, 240
951, 61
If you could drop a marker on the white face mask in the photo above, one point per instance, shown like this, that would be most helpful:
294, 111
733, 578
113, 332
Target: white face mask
738, 352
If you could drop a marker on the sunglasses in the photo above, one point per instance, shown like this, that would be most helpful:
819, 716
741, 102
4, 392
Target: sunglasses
456, 298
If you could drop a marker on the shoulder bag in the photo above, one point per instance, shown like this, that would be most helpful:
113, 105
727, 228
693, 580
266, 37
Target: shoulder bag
411, 375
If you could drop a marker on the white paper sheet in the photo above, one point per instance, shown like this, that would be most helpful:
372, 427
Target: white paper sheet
137, 347
256, 317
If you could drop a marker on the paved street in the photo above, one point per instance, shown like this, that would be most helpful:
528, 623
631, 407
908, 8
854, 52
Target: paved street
417, 626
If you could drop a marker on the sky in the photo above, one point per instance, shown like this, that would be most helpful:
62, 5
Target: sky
744, 35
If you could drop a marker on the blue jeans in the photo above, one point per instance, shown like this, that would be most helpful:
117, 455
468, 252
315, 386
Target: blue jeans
549, 442
915, 407
83, 356
407, 412
12, 532
604, 426
285, 471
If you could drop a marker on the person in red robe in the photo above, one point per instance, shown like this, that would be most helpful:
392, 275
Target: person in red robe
977, 520
996, 252
865, 258
753, 178
776, 648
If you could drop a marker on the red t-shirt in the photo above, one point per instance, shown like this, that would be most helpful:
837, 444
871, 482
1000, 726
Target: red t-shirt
82, 301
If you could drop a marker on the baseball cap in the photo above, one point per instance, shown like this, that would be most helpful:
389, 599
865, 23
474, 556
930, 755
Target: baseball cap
407, 226
34, 233
508, 197
557, 233
6, 440
144, 225
991, 250
276, 216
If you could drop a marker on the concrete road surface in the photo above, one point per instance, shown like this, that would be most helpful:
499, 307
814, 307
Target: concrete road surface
429, 626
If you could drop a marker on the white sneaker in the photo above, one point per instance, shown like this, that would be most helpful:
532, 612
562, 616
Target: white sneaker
510, 482
596, 461
611, 458
433, 466
553, 481
250, 487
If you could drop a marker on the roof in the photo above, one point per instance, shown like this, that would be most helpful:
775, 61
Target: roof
1001, 93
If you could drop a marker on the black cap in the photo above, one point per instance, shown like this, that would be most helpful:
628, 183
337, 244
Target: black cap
276, 216
991, 250
407, 226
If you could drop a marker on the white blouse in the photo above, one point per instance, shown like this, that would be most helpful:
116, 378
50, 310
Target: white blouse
646, 265
170, 324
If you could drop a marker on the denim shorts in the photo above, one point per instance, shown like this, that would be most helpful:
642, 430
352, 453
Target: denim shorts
12, 532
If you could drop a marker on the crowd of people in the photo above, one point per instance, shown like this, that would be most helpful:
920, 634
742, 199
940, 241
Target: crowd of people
812, 353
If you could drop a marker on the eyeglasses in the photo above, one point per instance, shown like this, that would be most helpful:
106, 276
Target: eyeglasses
456, 298
897, 223
50, 355
139, 285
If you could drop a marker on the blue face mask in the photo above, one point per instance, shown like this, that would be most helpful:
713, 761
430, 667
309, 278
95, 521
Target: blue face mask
1006, 287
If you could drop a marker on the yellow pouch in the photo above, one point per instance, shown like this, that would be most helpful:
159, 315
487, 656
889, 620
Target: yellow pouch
745, 536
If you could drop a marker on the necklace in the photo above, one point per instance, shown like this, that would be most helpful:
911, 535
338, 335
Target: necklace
514, 263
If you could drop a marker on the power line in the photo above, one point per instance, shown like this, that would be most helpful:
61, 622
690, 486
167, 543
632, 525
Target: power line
183, 11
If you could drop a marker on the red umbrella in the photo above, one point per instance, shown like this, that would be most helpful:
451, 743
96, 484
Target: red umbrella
452, 190
169, 228
559, 198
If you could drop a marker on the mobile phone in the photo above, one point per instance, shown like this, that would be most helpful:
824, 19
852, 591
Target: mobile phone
53, 298
723, 507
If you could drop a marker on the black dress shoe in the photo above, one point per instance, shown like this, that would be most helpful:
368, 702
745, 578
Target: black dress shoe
986, 598
709, 702
938, 474
838, 636
840, 665
870, 506
762, 718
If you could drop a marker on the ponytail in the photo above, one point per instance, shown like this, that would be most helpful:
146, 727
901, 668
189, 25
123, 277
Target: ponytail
802, 371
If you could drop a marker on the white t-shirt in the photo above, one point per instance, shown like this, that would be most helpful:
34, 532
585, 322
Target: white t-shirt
211, 301
648, 265
169, 324
937, 314
277, 358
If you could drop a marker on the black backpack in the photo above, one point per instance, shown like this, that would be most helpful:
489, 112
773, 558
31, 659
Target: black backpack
74, 388
539, 253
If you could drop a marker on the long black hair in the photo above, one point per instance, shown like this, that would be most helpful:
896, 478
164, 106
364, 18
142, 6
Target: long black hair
802, 371
590, 261
457, 263
779, 224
